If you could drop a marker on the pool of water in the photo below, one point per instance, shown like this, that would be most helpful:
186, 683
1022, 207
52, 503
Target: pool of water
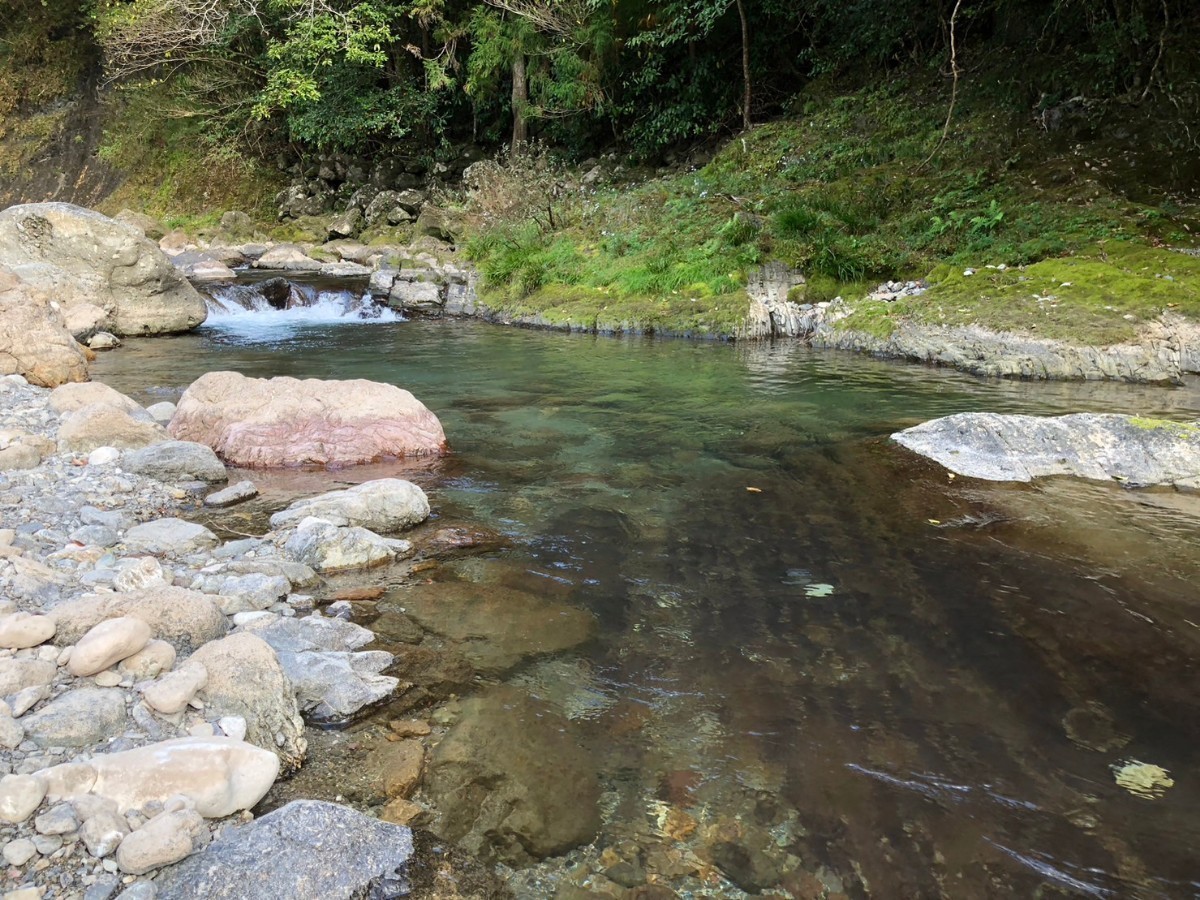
849, 672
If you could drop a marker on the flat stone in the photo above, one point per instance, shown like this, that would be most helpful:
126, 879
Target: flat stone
80, 718
175, 461
169, 537
330, 548
58, 819
232, 495
305, 849
1101, 447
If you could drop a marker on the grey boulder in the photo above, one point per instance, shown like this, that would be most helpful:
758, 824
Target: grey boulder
175, 461
305, 849
331, 681
1102, 447
384, 505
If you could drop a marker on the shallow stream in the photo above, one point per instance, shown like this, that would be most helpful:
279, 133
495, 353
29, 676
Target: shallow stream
822, 666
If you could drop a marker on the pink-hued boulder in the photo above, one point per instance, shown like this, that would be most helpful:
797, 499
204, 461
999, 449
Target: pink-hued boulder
278, 422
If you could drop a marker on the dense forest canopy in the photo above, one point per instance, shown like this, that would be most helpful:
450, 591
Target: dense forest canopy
355, 75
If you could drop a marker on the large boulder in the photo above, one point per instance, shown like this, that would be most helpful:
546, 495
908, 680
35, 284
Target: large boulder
305, 849
34, 340
1102, 447
510, 783
246, 679
287, 422
82, 256
101, 425
185, 619
383, 505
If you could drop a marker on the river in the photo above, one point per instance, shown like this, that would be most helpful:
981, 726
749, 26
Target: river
843, 671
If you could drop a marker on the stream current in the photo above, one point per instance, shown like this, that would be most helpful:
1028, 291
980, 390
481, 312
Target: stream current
823, 667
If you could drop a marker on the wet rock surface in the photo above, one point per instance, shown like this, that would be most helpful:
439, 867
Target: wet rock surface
509, 782
1086, 445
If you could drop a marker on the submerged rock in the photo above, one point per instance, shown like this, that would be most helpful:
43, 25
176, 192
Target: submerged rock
286, 421
498, 627
510, 783
305, 849
1087, 445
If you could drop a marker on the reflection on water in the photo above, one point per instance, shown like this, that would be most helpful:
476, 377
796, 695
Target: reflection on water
860, 677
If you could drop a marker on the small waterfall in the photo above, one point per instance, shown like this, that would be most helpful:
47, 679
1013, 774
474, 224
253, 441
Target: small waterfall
280, 299
278, 309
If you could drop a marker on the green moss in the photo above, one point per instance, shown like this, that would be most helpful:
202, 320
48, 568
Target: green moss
874, 317
592, 309
1179, 429
1101, 295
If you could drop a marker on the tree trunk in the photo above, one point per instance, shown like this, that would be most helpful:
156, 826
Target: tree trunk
745, 66
520, 102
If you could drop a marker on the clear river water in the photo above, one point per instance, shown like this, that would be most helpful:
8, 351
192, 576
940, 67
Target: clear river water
823, 667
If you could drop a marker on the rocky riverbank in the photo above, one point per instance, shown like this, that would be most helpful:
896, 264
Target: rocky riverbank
153, 677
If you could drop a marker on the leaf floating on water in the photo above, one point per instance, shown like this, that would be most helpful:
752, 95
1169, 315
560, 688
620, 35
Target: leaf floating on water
818, 590
934, 521
754, 490
1143, 779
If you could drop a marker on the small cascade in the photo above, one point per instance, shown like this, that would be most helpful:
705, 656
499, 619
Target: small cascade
276, 306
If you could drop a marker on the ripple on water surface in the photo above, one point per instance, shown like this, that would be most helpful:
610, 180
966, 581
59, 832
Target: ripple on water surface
860, 677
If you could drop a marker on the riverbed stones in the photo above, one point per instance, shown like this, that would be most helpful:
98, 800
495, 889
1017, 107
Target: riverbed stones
34, 340
496, 795
161, 412
218, 775
79, 718
149, 662
19, 851
305, 849
171, 693
276, 422
82, 256
17, 675
103, 831
21, 449
496, 627
385, 505
165, 839
184, 618
108, 643
245, 679
1101, 447
20, 795
169, 537
21, 630
232, 495
175, 461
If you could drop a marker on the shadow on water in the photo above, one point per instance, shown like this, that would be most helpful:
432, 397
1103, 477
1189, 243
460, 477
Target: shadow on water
859, 677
